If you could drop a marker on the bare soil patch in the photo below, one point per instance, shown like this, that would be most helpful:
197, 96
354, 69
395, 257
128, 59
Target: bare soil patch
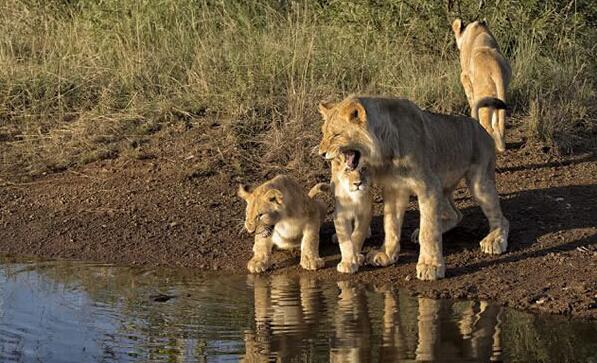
176, 206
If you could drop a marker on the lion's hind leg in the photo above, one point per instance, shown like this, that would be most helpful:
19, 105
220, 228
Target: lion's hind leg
481, 182
450, 215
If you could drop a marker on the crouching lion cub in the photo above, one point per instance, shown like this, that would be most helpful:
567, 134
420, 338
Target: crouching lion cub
281, 213
353, 210
485, 73
412, 151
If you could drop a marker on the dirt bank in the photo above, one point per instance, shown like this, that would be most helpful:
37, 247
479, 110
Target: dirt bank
176, 205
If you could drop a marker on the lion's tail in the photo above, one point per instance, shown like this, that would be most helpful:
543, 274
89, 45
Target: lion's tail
487, 102
319, 188
497, 119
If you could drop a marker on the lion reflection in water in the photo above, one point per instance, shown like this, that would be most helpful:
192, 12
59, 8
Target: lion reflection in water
298, 319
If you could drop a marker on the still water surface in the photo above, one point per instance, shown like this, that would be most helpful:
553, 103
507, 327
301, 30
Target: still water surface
78, 312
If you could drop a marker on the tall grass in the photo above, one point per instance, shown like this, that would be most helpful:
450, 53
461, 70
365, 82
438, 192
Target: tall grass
82, 80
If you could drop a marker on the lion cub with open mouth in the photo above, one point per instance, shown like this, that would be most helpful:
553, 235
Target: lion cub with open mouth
350, 184
281, 213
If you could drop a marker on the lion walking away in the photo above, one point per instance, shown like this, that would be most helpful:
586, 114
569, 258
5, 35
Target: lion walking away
485, 73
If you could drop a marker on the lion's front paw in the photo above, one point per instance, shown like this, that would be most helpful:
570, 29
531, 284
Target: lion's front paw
429, 272
380, 258
347, 267
495, 243
414, 237
258, 264
311, 262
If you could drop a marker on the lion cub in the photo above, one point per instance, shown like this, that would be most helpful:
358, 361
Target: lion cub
281, 213
353, 211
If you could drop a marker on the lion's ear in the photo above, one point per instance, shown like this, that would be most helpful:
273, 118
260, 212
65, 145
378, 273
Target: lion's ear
243, 191
355, 112
325, 108
457, 27
274, 195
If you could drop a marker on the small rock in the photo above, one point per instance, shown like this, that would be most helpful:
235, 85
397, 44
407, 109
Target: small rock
407, 278
161, 297
541, 300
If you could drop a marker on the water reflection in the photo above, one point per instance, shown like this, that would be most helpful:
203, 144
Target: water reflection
378, 324
81, 312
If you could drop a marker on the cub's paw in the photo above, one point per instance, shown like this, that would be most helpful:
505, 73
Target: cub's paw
258, 264
495, 243
429, 272
347, 267
380, 258
360, 259
311, 262
414, 238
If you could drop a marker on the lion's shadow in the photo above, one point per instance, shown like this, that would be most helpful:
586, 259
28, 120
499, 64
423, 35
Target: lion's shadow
532, 214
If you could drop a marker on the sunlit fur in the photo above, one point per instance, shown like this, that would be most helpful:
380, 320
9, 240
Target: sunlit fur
485, 72
353, 211
349, 133
281, 213
411, 151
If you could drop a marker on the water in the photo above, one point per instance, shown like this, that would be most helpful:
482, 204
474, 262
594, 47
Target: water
76, 312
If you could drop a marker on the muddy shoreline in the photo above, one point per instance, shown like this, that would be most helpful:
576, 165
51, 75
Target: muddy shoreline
159, 211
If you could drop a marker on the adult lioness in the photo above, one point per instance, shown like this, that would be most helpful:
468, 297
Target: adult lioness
414, 151
485, 72
281, 213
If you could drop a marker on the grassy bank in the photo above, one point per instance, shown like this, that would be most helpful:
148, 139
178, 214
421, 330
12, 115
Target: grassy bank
85, 80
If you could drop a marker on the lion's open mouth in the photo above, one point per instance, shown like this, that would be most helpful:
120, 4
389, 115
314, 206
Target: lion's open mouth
352, 158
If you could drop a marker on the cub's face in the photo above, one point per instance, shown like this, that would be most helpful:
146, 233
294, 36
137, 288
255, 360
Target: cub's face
344, 131
265, 208
357, 179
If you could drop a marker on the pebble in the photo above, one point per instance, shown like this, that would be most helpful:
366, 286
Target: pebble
541, 300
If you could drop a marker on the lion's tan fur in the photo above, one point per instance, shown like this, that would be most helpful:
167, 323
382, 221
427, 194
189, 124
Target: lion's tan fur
485, 72
411, 151
282, 214
353, 211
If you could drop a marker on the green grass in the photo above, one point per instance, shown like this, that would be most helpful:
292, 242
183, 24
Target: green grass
85, 80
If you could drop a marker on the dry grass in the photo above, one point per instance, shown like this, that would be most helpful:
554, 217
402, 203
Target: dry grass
85, 80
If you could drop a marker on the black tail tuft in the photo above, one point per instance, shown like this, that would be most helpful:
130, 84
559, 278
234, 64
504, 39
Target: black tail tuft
487, 102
